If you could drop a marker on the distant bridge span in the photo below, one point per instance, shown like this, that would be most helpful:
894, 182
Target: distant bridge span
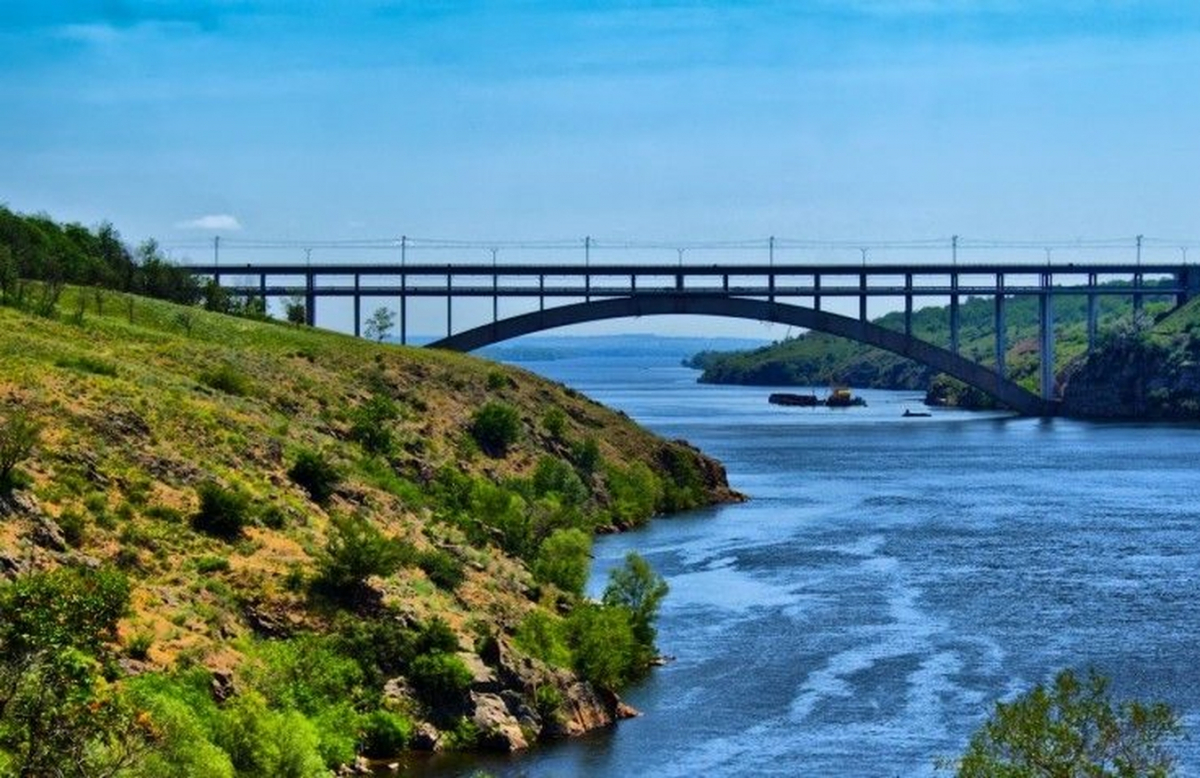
972, 373
749, 291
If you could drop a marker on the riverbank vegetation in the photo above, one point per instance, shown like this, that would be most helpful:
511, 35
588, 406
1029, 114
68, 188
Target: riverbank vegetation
241, 547
817, 359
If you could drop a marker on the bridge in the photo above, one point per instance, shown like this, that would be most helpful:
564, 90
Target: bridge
799, 294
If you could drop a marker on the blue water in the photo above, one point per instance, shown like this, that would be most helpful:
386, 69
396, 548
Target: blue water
889, 580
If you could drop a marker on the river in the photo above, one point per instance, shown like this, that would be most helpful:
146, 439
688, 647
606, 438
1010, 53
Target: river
889, 579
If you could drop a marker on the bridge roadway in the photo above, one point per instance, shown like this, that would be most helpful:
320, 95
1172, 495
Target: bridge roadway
766, 292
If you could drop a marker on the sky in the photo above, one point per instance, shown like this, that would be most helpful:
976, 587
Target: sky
659, 121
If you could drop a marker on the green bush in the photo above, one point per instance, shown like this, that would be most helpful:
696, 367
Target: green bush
355, 551
496, 427
586, 455
370, 424
315, 474
442, 567
385, 734
602, 644
552, 476
212, 564
496, 380
564, 559
554, 421
19, 434
439, 677
542, 635
223, 512
226, 378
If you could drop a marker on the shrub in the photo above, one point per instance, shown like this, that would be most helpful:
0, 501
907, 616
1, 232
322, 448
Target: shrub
564, 559
314, 473
442, 567
385, 734
139, 645
496, 380
541, 635
496, 427
369, 424
555, 422
19, 433
226, 378
586, 455
212, 564
355, 551
223, 512
554, 476
603, 647
439, 677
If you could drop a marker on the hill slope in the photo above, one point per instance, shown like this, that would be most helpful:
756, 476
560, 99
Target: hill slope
434, 579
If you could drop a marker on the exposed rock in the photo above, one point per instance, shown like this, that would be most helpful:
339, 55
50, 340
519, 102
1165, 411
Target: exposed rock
18, 504
361, 766
583, 710
269, 621
517, 705
498, 728
47, 534
221, 685
483, 678
426, 737
11, 565
397, 692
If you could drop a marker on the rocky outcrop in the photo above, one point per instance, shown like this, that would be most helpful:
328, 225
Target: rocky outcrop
1135, 377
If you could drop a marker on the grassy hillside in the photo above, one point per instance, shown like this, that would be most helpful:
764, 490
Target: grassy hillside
350, 537
817, 359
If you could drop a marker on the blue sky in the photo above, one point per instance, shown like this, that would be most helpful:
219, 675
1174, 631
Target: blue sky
854, 119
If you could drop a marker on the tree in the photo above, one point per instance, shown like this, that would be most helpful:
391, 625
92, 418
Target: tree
1073, 729
58, 714
296, 309
380, 323
563, 560
19, 433
637, 587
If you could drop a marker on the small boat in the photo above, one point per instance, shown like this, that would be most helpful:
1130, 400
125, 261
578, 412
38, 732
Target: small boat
915, 414
841, 397
799, 400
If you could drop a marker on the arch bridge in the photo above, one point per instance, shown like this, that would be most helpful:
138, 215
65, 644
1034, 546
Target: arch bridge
790, 294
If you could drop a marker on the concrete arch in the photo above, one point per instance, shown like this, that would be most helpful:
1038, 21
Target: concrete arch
1006, 392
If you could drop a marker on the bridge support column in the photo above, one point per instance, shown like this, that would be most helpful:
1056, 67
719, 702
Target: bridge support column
1093, 314
357, 309
310, 299
862, 296
1137, 296
262, 291
403, 310
449, 308
954, 314
1046, 346
816, 293
1188, 280
1001, 329
908, 304
541, 293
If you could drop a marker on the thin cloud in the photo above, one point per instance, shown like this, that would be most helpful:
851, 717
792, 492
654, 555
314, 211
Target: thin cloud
215, 221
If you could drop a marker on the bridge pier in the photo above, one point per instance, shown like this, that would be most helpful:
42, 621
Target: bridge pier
1137, 295
403, 310
1093, 312
862, 296
908, 304
816, 292
310, 299
1001, 327
357, 309
1046, 346
954, 313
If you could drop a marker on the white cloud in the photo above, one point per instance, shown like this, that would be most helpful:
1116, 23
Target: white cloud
215, 221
